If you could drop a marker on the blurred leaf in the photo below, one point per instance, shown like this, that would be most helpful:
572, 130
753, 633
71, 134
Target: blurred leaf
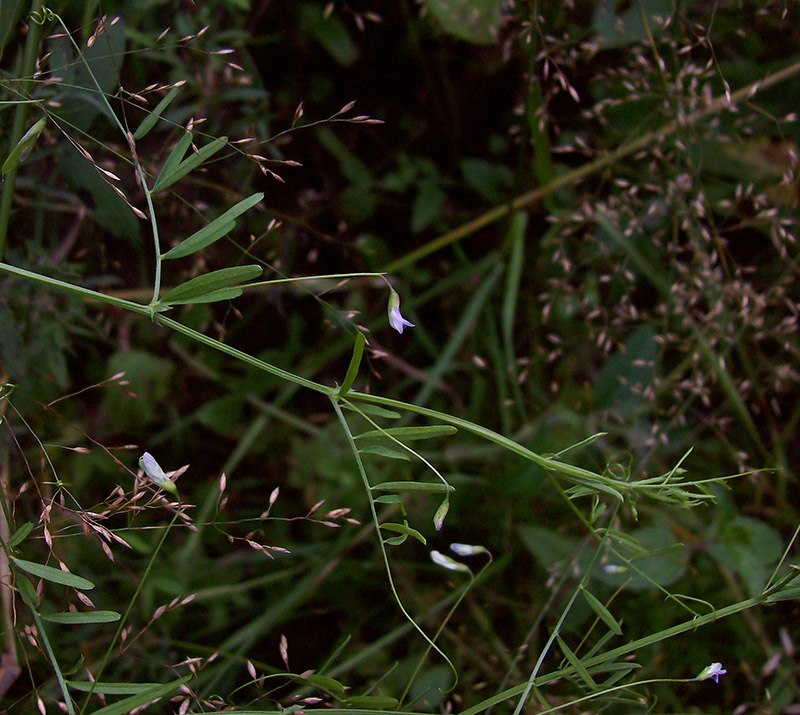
614, 29
621, 383
427, 205
750, 548
656, 558
77, 92
329, 32
223, 415
476, 21
106, 207
492, 181
133, 407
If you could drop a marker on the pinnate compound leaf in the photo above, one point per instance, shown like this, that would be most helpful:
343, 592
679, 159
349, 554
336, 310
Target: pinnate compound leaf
210, 283
48, 573
219, 227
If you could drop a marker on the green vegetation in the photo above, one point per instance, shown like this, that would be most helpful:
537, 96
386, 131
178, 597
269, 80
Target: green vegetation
472, 323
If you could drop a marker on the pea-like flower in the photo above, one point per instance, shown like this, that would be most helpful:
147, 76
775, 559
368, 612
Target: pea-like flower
712, 671
152, 469
397, 321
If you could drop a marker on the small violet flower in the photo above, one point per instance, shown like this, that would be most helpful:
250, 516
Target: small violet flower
152, 469
712, 671
397, 321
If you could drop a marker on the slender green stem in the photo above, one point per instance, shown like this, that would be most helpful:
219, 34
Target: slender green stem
20, 115
363, 473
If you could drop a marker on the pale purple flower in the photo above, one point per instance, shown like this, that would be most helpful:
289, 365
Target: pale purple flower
153, 470
397, 321
445, 561
712, 671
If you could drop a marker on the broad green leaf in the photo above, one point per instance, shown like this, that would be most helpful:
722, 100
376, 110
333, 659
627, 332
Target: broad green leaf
409, 433
404, 529
211, 282
165, 180
48, 573
329, 31
82, 618
382, 451
20, 535
218, 228
427, 205
476, 21
123, 707
375, 702
603, 613
355, 362
149, 121
412, 487
24, 146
